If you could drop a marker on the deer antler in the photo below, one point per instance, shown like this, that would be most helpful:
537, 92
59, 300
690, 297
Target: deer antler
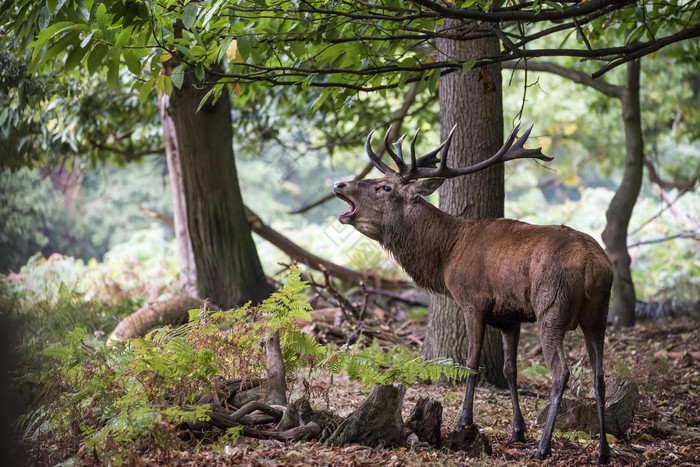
425, 166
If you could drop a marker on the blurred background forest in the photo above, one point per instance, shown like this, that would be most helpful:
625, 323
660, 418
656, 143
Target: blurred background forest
286, 163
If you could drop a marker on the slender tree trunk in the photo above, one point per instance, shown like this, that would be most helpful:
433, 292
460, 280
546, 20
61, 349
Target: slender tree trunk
620, 210
228, 269
474, 102
188, 270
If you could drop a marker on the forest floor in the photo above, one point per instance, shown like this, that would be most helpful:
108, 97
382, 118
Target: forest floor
661, 358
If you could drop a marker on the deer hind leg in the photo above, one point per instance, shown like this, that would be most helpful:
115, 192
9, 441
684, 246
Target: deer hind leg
475, 339
595, 338
552, 337
511, 336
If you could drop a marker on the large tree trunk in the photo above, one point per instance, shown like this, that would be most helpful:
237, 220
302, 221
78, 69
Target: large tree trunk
188, 270
620, 210
474, 102
228, 269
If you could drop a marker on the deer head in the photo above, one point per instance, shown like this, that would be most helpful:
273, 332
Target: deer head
378, 203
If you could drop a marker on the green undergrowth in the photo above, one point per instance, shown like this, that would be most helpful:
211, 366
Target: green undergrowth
109, 399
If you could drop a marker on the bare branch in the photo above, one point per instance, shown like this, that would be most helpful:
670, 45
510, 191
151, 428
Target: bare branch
568, 73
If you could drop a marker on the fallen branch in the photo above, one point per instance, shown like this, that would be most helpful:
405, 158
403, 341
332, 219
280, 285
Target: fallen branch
297, 253
172, 311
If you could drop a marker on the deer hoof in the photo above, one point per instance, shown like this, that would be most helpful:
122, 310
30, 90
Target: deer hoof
517, 437
604, 457
542, 454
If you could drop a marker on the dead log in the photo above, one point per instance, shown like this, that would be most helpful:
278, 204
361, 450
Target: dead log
300, 413
425, 421
172, 311
377, 422
581, 414
309, 431
469, 440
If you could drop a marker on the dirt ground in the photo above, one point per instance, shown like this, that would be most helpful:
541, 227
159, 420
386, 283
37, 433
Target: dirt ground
663, 359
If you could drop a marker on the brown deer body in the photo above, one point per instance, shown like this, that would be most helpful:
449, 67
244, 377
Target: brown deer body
501, 272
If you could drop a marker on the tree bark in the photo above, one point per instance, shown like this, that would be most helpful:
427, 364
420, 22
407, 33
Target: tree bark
228, 269
473, 101
185, 255
620, 210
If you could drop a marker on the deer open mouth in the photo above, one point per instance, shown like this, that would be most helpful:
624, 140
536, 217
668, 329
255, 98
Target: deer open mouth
346, 216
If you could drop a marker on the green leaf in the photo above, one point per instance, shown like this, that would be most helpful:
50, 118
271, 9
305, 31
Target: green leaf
74, 57
321, 99
96, 56
466, 66
199, 72
3, 115
113, 72
132, 62
243, 42
164, 84
123, 37
178, 75
44, 17
49, 33
82, 12
189, 14
145, 90
223, 48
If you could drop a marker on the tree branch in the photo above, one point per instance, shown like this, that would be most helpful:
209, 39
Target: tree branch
650, 47
576, 76
497, 15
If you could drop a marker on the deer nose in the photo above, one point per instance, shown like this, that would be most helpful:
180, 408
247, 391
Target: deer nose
339, 185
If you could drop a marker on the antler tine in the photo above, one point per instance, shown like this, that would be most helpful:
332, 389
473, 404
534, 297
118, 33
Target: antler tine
446, 144
399, 162
518, 151
399, 154
413, 152
376, 160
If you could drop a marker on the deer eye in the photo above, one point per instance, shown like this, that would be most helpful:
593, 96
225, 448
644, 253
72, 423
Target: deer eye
386, 188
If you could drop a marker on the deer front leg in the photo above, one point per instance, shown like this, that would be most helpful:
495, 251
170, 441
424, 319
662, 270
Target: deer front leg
475, 338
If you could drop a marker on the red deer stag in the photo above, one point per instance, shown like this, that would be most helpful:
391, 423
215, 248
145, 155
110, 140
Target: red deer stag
500, 271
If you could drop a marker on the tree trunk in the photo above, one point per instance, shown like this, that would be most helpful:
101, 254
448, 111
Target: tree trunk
188, 270
622, 204
228, 269
474, 102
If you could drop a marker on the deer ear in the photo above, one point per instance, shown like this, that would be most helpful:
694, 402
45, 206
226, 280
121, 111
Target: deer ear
426, 187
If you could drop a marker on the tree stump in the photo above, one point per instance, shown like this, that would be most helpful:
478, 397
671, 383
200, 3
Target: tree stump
425, 421
377, 422
581, 414
469, 440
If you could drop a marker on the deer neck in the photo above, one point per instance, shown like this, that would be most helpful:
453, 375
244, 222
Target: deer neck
422, 241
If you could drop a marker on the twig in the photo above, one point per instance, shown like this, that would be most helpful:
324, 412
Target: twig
691, 234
